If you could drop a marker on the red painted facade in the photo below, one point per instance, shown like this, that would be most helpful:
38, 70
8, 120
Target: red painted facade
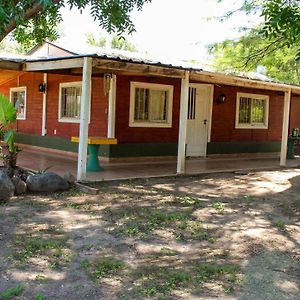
223, 116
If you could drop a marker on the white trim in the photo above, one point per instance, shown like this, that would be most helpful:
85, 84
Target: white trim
44, 114
153, 86
184, 99
253, 125
112, 107
210, 106
19, 89
64, 119
285, 127
84, 117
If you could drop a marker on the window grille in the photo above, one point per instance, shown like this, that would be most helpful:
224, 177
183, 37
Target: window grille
192, 104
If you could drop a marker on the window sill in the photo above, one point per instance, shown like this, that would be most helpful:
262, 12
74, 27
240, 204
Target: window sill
251, 127
151, 125
68, 120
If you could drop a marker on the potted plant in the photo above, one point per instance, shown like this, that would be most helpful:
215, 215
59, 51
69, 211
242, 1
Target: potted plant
8, 117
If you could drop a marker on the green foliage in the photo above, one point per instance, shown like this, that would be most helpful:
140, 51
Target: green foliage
13, 292
116, 42
105, 267
33, 21
8, 117
252, 50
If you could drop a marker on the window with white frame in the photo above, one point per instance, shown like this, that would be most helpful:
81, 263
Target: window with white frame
150, 105
69, 101
252, 111
18, 99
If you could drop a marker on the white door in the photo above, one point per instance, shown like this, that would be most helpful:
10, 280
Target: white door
198, 119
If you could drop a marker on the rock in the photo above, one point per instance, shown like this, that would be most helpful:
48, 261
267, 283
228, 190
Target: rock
7, 188
20, 185
69, 177
46, 182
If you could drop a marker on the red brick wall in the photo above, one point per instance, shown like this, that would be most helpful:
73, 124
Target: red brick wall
98, 125
295, 113
34, 106
223, 117
126, 134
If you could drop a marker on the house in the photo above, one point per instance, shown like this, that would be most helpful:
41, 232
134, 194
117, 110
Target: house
153, 109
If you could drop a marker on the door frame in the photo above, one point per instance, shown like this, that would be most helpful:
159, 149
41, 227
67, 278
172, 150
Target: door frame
210, 109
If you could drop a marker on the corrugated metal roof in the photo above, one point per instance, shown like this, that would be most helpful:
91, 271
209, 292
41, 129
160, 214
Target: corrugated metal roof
133, 57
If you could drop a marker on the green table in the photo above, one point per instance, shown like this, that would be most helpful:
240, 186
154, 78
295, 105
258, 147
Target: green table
93, 164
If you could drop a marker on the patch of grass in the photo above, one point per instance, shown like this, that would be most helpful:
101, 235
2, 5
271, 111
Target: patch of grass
40, 296
105, 267
85, 263
10, 293
167, 251
189, 201
55, 251
249, 198
41, 278
141, 222
192, 230
158, 282
280, 224
219, 206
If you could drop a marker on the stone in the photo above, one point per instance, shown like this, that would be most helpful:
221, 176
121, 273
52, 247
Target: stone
46, 182
69, 177
7, 188
20, 185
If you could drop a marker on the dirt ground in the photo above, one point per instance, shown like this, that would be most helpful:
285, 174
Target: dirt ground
225, 236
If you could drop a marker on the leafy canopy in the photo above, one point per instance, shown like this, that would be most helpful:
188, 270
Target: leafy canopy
275, 43
33, 21
116, 42
253, 50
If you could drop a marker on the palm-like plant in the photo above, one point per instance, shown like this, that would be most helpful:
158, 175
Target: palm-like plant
8, 117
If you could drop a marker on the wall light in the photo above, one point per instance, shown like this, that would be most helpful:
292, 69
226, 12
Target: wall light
221, 98
42, 87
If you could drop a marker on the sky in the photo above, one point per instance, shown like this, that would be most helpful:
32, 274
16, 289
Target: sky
173, 29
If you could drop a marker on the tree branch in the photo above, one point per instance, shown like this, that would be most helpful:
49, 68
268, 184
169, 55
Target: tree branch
30, 13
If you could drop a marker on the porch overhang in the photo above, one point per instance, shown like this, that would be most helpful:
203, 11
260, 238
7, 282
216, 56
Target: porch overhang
73, 65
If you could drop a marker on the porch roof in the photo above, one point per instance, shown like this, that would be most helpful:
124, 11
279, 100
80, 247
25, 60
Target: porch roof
124, 65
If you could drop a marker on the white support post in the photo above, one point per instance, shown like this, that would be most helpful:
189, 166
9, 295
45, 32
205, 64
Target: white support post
84, 117
184, 97
285, 127
44, 114
112, 107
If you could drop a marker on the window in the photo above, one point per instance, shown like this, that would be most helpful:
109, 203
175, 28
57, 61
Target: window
252, 111
18, 99
151, 105
69, 101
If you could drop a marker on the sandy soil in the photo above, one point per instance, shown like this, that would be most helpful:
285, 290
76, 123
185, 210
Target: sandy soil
221, 236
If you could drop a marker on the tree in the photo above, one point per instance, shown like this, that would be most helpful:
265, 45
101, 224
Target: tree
253, 50
281, 21
275, 43
33, 21
115, 43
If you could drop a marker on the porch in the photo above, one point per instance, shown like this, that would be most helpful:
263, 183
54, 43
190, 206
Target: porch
39, 160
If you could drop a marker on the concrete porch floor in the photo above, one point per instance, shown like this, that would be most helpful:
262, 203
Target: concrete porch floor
39, 160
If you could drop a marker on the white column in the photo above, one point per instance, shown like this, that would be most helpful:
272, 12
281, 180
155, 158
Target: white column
112, 107
84, 117
184, 97
285, 127
44, 114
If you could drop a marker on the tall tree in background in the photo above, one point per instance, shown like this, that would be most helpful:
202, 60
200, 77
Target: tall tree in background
114, 43
274, 44
33, 21
253, 50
